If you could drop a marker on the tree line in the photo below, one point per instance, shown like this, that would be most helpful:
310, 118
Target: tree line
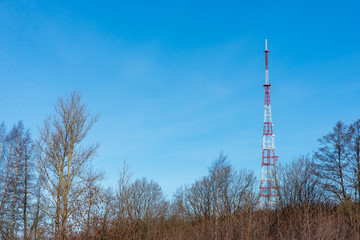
50, 190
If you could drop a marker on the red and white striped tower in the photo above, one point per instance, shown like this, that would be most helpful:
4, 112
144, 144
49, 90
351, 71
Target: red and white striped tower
269, 195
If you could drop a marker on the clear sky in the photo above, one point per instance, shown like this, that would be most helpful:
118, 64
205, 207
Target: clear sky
176, 82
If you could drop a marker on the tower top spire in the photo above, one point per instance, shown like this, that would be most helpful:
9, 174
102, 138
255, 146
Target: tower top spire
266, 63
265, 44
266, 49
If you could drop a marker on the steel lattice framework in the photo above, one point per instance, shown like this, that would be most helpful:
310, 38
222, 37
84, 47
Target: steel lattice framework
269, 195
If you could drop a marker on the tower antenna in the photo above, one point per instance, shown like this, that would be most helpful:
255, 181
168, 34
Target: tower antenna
269, 188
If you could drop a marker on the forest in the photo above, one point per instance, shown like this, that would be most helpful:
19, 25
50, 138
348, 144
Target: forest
50, 190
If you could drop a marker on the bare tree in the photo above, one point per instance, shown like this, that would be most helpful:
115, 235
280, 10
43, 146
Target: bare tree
122, 225
144, 207
10, 198
354, 149
122, 192
4, 176
63, 161
145, 200
17, 181
94, 215
332, 161
215, 201
38, 225
220, 175
299, 185
27, 179
4, 181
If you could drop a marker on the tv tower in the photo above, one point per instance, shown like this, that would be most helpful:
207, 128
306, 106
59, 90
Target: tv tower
269, 195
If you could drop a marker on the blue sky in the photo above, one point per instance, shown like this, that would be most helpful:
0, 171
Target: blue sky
176, 82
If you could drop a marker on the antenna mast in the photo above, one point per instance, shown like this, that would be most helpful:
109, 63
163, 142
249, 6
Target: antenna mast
269, 194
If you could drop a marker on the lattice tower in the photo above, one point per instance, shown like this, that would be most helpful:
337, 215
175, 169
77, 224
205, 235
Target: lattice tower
269, 194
